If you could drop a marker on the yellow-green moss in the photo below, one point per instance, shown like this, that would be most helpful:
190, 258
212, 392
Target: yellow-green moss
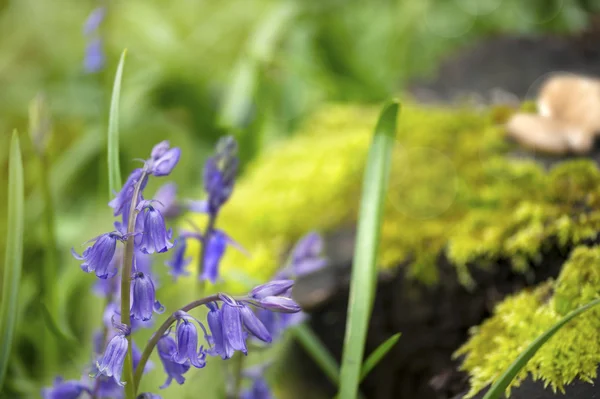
574, 352
453, 185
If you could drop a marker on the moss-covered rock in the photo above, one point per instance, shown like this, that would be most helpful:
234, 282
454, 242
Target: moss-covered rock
454, 186
574, 352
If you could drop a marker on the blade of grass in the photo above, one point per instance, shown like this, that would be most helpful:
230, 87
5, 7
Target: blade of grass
313, 346
364, 267
499, 387
14, 254
114, 169
378, 354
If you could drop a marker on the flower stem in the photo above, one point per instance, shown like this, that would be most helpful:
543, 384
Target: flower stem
126, 285
160, 332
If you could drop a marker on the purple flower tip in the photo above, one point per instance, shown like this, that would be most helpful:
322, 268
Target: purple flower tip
279, 304
163, 165
272, 288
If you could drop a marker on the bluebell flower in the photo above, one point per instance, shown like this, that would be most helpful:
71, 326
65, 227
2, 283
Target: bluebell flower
122, 202
253, 324
166, 200
167, 348
215, 324
93, 21
111, 363
62, 389
187, 342
179, 262
278, 304
259, 390
107, 388
110, 286
272, 288
159, 150
94, 58
163, 165
219, 174
233, 332
215, 243
99, 256
144, 298
155, 236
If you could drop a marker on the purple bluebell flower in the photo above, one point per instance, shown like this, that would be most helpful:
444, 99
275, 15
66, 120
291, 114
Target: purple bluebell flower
219, 174
110, 285
111, 363
167, 349
155, 236
94, 20
272, 288
215, 323
107, 388
94, 58
166, 200
254, 325
215, 243
187, 342
179, 262
259, 390
163, 159
99, 256
278, 304
122, 202
62, 389
233, 332
144, 298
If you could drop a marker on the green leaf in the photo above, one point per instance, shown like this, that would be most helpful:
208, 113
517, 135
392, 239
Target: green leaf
500, 386
364, 267
378, 354
14, 254
313, 346
114, 169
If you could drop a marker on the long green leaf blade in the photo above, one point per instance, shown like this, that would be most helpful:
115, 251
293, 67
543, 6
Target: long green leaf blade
500, 386
14, 254
364, 267
114, 168
313, 346
378, 354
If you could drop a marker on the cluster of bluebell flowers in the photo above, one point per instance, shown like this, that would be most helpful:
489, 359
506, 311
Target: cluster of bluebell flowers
132, 302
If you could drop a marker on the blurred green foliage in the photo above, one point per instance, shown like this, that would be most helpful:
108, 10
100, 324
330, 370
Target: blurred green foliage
195, 70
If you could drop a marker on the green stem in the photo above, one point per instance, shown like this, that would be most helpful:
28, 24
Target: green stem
50, 271
126, 286
161, 331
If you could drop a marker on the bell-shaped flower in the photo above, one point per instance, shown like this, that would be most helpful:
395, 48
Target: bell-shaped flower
278, 304
167, 348
233, 332
98, 258
179, 262
253, 325
187, 342
62, 389
166, 200
272, 288
215, 243
111, 363
215, 324
122, 202
155, 236
144, 298
164, 164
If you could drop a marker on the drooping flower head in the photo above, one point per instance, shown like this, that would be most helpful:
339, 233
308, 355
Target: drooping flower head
179, 262
111, 363
98, 258
187, 341
167, 349
144, 298
62, 389
215, 242
154, 235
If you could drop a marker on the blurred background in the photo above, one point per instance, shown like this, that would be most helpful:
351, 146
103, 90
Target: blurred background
196, 70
